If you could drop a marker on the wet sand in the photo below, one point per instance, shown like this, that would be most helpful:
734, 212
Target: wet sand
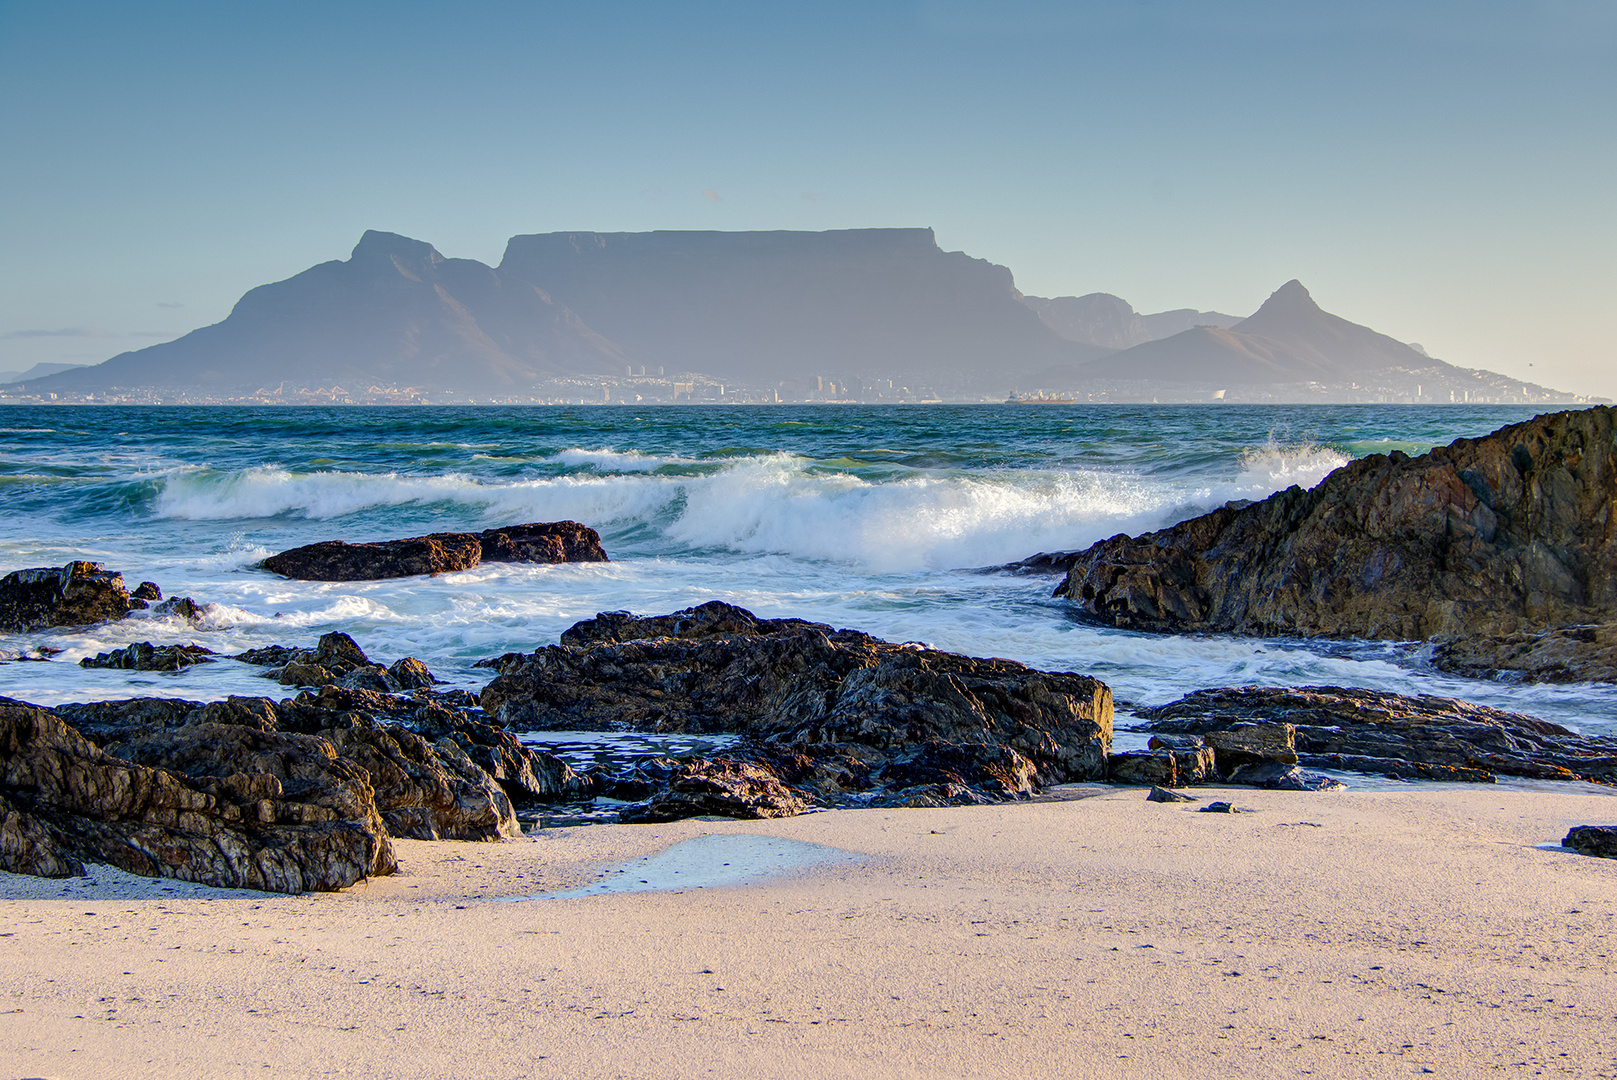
1341, 934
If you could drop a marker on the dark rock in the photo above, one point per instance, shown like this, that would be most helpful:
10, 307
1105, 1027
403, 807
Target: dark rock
300, 673
1415, 737
718, 787
1252, 744
144, 656
1163, 795
336, 560
411, 674
1278, 776
1493, 536
1559, 655
148, 591
1597, 840
827, 709
552, 542
1219, 808
269, 656
183, 606
77, 594
227, 806
527, 776
375, 678
1395, 769
993, 769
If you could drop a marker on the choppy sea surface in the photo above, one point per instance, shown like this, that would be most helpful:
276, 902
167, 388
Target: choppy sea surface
875, 518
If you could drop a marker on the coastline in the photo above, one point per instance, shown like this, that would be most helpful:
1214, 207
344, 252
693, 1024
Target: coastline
1375, 934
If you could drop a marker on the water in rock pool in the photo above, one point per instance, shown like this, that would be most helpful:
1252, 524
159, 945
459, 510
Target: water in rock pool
878, 519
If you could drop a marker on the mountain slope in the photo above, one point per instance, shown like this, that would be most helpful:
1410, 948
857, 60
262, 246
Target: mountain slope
1110, 322
395, 313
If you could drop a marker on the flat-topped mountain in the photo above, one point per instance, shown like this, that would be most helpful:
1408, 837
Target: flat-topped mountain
767, 306
857, 314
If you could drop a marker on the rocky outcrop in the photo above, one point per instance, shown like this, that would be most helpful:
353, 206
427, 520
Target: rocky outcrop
1560, 654
1504, 534
229, 806
144, 656
1371, 731
721, 787
842, 718
336, 560
77, 594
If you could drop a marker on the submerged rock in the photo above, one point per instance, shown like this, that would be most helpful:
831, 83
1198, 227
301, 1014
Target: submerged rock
840, 717
1486, 537
144, 656
1372, 731
77, 594
438, 553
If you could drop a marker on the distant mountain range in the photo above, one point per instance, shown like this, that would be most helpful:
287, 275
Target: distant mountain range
866, 314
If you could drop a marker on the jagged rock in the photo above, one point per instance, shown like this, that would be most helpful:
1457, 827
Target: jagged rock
1597, 840
228, 806
1278, 776
183, 606
77, 594
1251, 744
551, 542
144, 656
720, 787
336, 560
827, 709
300, 673
1163, 795
374, 678
526, 775
148, 591
1374, 731
411, 674
1491, 536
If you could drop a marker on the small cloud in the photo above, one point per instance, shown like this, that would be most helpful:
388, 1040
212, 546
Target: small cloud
169, 304
69, 331
812, 196
710, 195
164, 334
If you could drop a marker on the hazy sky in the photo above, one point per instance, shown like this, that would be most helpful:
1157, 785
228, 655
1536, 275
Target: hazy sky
1445, 172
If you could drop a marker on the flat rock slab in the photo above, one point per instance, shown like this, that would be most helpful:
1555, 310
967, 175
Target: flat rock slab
438, 553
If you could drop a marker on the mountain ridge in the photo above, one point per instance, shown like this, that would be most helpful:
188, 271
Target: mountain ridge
858, 314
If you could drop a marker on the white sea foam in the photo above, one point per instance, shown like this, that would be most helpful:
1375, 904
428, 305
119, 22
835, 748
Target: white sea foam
774, 503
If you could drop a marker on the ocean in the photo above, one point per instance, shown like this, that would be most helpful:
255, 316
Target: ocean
882, 519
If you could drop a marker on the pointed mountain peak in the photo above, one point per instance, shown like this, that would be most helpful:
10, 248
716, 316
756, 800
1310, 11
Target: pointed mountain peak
1289, 297
391, 245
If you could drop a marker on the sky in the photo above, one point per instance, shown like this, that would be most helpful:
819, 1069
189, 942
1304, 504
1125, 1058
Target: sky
1440, 171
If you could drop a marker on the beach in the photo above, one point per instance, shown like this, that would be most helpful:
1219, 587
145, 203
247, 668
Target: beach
1437, 929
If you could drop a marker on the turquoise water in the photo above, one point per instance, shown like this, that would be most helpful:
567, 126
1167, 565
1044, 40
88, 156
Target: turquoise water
874, 518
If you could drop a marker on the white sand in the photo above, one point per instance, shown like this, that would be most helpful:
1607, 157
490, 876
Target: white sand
1338, 935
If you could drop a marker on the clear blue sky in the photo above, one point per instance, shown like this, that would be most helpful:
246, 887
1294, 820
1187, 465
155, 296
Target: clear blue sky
1443, 172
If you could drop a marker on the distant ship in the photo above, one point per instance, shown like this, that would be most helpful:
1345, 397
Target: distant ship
1039, 399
